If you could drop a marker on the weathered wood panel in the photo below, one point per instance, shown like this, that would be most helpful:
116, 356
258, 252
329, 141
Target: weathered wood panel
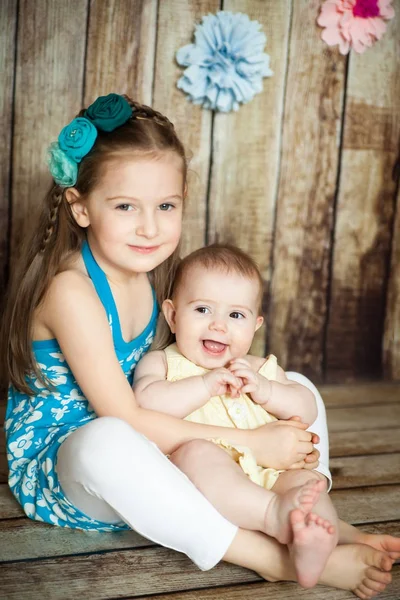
176, 20
48, 91
352, 443
370, 417
8, 23
357, 471
113, 575
391, 339
364, 217
246, 153
272, 591
117, 574
121, 48
9, 507
22, 539
311, 128
368, 504
360, 394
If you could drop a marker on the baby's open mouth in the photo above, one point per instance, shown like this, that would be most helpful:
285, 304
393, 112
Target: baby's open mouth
214, 347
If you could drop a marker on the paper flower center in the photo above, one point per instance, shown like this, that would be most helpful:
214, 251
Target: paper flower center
223, 59
366, 8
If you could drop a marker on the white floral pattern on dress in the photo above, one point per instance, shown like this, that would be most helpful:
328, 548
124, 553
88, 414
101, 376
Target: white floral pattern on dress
237, 411
37, 425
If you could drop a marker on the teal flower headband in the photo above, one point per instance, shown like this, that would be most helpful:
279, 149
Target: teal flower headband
78, 137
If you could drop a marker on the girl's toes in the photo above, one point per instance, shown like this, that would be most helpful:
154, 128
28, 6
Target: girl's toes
360, 594
367, 591
375, 575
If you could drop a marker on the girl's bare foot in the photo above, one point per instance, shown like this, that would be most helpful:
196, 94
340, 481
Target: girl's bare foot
358, 568
312, 545
303, 497
386, 543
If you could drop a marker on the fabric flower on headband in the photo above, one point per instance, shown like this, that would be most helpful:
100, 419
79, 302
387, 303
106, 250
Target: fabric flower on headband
109, 112
78, 137
63, 169
226, 63
354, 23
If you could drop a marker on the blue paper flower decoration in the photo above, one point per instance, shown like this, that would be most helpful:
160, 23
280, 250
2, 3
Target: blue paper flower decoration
226, 64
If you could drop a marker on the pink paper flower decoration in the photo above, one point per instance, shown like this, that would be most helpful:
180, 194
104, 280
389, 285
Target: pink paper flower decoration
354, 23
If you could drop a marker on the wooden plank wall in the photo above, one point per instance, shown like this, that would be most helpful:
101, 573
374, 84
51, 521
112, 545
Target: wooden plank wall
303, 177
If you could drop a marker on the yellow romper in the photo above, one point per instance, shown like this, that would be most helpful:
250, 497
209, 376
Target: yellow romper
224, 411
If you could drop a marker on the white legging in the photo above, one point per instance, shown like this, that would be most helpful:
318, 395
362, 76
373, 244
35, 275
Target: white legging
112, 473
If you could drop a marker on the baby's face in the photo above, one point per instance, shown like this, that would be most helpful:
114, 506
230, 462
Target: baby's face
215, 316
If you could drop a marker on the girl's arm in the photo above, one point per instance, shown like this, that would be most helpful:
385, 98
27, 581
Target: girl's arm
77, 320
282, 398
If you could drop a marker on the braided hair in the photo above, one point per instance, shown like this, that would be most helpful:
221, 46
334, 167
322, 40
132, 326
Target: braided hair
58, 237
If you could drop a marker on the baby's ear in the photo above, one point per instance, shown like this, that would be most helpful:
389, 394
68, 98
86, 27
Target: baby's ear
169, 311
259, 322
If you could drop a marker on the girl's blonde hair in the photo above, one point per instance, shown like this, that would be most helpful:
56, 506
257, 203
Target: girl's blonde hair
57, 237
225, 258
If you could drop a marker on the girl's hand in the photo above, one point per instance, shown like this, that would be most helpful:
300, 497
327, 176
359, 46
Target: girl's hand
284, 445
256, 385
222, 381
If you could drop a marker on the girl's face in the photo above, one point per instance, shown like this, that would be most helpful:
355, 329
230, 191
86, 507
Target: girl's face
134, 215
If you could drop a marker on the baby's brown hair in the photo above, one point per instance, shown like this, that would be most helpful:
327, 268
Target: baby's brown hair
226, 258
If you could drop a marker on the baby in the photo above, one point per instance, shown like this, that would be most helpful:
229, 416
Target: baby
207, 376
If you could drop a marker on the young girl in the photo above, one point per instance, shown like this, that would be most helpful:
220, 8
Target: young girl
82, 313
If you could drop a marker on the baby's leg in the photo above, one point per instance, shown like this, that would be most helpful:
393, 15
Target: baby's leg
241, 501
314, 535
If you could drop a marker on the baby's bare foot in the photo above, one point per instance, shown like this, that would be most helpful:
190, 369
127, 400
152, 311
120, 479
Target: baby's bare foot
304, 497
313, 542
359, 568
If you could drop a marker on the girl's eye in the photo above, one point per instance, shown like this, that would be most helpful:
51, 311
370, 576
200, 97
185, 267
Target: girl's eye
124, 207
237, 315
203, 310
166, 206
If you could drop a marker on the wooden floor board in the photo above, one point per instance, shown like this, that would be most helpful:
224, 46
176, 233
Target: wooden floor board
42, 561
360, 394
272, 591
25, 539
351, 443
385, 416
113, 575
357, 471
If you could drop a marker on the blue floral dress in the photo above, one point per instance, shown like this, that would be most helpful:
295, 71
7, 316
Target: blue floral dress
37, 425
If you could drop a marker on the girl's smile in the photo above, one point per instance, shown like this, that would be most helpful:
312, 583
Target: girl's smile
144, 249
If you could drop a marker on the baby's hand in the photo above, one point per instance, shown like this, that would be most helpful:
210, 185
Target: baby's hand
222, 381
256, 385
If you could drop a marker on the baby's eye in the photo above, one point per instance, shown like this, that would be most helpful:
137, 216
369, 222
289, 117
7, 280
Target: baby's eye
203, 310
237, 315
165, 206
124, 207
